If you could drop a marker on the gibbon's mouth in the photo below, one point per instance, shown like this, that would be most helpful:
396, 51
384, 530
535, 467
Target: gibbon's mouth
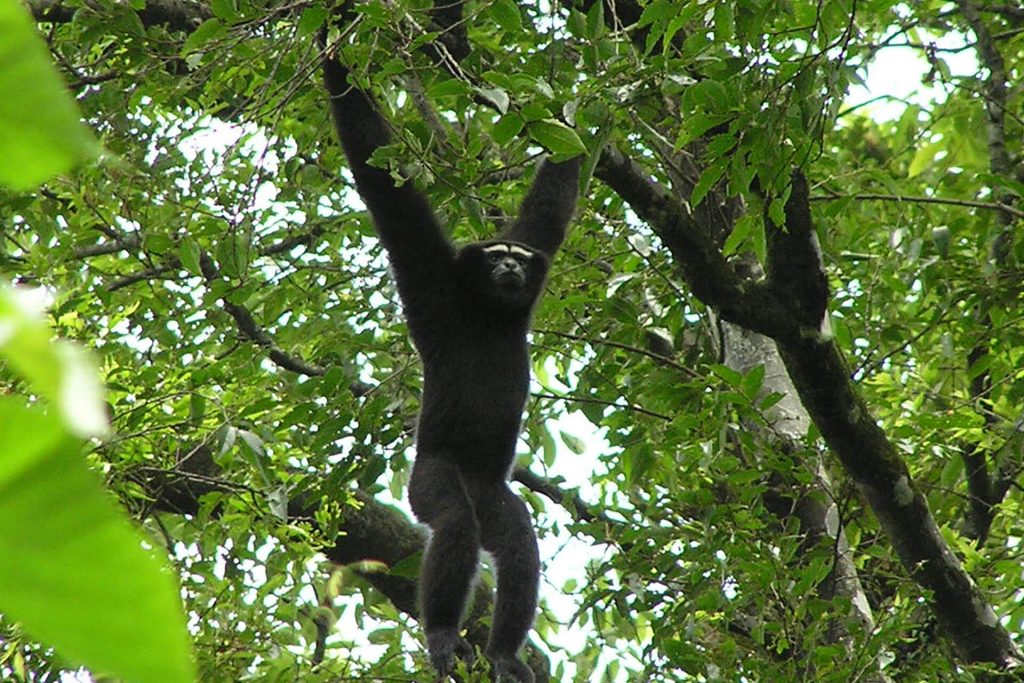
509, 279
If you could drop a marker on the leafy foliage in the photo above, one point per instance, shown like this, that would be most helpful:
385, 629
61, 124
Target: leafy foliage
263, 388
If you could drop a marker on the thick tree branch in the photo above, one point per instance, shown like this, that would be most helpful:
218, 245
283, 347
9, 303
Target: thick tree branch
824, 384
983, 494
1012, 12
827, 391
127, 243
794, 258
813, 504
709, 275
822, 379
369, 530
176, 15
995, 89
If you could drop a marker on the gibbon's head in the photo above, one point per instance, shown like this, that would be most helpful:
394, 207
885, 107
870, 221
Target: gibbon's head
506, 274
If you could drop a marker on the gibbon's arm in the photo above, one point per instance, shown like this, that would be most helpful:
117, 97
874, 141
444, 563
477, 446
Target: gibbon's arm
548, 206
417, 247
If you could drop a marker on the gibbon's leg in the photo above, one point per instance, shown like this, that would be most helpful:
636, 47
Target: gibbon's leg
506, 530
439, 499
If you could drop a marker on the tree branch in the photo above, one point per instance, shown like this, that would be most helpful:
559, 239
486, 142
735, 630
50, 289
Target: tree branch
369, 530
570, 500
910, 199
983, 498
827, 391
794, 264
706, 270
823, 382
248, 327
176, 15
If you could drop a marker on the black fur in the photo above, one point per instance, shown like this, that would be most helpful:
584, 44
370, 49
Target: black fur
468, 312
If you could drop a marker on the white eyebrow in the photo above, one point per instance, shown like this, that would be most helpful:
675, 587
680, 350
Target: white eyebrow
513, 249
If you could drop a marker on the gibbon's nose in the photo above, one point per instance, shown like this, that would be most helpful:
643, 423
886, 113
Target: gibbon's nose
510, 274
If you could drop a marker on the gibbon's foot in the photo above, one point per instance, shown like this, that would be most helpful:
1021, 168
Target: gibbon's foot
510, 669
444, 645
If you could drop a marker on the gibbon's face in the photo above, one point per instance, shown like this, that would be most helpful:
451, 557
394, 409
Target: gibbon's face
509, 263
507, 273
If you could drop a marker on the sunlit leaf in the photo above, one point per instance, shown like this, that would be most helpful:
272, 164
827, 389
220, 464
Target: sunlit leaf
40, 131
72, 569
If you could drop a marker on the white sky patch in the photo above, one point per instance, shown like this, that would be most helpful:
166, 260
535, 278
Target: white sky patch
80, 398
896, 77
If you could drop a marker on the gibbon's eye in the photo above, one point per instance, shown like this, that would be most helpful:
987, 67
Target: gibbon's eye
495, 257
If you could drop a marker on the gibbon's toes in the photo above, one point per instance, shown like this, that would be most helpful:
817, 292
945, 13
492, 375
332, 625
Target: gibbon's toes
444, 646
508, 669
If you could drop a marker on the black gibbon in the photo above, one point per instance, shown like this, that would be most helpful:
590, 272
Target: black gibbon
468, 312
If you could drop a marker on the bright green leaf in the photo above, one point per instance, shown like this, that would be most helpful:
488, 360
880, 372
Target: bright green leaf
40, 130
209, 31
188, 254
226, 10
62, 372
574, 443
73, 571
507, 128
923, 158
312, 19
557, 137
506, 14
711, 175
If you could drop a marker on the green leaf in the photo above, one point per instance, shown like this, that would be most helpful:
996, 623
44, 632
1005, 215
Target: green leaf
777, 211
507, 128
448, 87
62, 372
557, 137
710, 176
548, 448
208, 31
232, 256
312, 19
577, 24
574, 443
731, 377
980, 365
226, 10
657, 11
188, 254
752, 382
73, 571
506, 14
534, 111
923, 158
725, 21
41, 134
738, 235
708, 94
496, 96
595, 21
